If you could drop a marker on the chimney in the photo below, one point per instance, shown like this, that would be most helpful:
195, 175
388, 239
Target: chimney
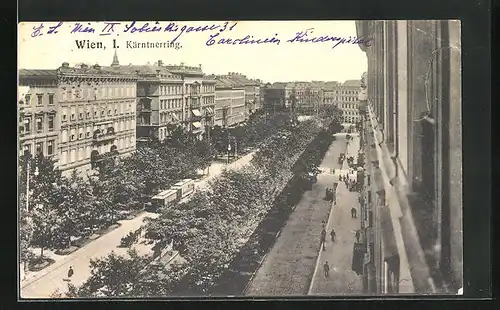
65, 65
160, 63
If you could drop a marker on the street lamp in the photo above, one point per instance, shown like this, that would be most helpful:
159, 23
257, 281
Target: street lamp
28, 182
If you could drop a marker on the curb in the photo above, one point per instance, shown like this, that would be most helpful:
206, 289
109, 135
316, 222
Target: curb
253, 275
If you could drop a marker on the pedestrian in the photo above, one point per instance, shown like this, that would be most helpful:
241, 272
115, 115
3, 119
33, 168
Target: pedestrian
323, 238
332, 235
327, 269
357, 236
70, 272
353, 213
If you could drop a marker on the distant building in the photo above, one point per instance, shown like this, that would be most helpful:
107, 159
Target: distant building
170, 96
91, 109
252, 90
347, 100
229, 103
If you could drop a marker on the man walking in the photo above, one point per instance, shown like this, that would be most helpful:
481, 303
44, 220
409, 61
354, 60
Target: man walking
332, 235
353, 213
323, 239
326, 268
70, 272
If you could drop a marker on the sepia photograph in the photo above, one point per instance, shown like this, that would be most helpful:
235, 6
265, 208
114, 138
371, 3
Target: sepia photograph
255, 159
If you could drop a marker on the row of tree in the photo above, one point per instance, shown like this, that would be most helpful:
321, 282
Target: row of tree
209, 229
62, 209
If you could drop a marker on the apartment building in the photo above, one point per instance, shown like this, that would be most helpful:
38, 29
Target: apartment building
251, 87
199, 98
91, 109
169, 96
37, 112
412, 205
230, 107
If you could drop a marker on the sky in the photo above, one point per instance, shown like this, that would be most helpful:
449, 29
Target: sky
270, 62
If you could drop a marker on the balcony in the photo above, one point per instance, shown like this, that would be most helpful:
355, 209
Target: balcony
104, 136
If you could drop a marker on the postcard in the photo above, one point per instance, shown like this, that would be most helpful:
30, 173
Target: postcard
239, 159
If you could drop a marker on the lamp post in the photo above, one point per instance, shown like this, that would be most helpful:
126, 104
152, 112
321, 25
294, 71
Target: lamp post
228, 149
28, 182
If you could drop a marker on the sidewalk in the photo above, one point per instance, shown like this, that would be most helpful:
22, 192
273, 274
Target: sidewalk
342, 280
45, 282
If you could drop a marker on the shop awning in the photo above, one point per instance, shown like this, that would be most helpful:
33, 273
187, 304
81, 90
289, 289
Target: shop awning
209, 110
174, 116
196, 112
197, 124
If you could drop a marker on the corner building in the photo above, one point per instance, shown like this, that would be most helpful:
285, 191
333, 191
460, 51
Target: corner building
94, 113
411, 205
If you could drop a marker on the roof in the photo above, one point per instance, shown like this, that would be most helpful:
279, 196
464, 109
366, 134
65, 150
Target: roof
354, 83
37, 72
140, 70
223, 83
278, 85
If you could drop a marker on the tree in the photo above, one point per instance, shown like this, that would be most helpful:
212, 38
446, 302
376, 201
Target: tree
42, 182
73, 208
127, 276
113, 276
45, 224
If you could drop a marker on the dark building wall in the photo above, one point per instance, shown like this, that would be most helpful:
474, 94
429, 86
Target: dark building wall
413, 82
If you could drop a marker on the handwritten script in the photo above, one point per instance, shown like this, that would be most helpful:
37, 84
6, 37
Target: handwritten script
217, 34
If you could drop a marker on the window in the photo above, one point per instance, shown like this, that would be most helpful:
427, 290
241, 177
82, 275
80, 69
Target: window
72, 116
50, 147
80, 135
116, 111
109, 112
51, 99
103, 113
39, 124
95, 113
27, 125
51, 122
80, 115
27, 99
39, 148
39, 99
73, 137
88, 134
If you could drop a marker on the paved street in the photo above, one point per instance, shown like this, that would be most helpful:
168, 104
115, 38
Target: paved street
342, 280
45, 282
289, 265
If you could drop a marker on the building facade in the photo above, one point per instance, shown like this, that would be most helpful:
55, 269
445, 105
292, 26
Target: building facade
251, 87
230, 108
412, 201
37, 111
169, 96
198, 94
90, 109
